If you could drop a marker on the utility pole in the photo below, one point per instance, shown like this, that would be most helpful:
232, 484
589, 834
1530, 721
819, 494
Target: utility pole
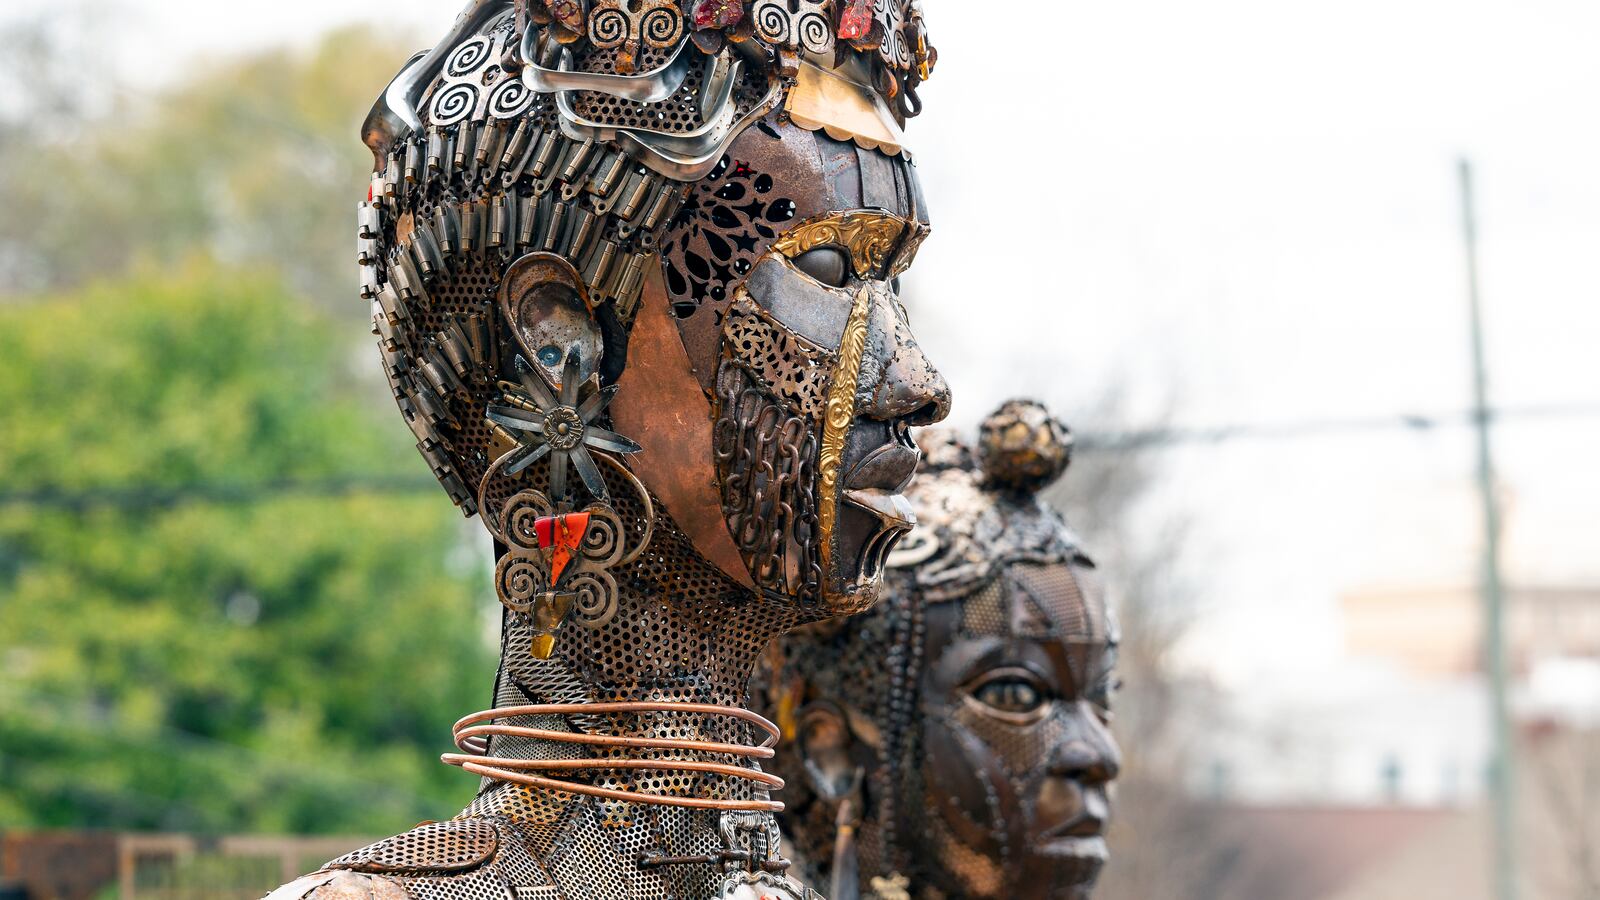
1503, 782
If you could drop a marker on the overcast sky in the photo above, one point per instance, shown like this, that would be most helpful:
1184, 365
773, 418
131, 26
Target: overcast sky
1246, 211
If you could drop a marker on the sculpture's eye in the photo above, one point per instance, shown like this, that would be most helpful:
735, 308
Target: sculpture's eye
1013, 691
1100, 697
825, 264
549, 355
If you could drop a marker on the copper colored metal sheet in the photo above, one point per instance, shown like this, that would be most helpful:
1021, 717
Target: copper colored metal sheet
677, 461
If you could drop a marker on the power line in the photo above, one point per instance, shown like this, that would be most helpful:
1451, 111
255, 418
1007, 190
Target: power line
1155, 438
153, 496
1503, 788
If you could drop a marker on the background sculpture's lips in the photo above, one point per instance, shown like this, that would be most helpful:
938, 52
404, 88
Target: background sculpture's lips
888, 468
1087, 849
1084, 816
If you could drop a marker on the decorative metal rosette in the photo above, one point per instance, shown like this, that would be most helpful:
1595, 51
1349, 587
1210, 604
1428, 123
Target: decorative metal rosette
561, 427
559, 555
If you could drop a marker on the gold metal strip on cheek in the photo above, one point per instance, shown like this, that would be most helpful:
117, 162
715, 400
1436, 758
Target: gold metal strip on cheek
837, 415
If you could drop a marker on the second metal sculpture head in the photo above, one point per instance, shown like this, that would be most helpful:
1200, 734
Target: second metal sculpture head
952, 742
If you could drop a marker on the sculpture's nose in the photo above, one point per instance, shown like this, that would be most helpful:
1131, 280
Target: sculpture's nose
899, 384
1091, 758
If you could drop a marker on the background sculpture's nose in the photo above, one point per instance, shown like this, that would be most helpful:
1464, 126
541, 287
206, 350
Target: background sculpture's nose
1090, 759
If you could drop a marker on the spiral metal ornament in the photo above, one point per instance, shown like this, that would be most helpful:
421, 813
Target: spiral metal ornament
519, 580
894, 50
815, 34
509, 99
625, 24
602, 542
452, 103
608, 25
596, 601
806, 27
662, 27
467, 57
521, 512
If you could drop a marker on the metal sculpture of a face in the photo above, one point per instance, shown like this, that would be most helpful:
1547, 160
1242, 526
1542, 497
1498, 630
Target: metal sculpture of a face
1014, 703
667, 219
783, 280
953, 741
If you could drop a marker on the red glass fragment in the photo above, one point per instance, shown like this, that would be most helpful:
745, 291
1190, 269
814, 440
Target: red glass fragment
718, 14
559, 537
856, 22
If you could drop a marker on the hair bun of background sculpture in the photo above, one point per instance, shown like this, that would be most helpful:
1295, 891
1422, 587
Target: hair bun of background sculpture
1021, 447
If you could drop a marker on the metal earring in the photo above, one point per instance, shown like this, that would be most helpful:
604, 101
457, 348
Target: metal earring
558, 557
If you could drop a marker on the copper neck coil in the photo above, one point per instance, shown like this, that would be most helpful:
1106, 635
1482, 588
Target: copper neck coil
472, 738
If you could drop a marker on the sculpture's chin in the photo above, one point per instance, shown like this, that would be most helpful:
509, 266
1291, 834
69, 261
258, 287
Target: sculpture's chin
1072, 861
857, 599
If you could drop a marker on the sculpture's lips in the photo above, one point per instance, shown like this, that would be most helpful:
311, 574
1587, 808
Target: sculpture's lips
875, 486
1079, 833
893, 508
896, 517
1079, 827
1083, 849
887, 469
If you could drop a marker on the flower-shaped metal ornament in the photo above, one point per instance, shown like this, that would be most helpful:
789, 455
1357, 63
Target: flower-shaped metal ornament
561, 426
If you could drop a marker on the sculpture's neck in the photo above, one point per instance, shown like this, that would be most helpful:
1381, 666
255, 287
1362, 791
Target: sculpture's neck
683, 641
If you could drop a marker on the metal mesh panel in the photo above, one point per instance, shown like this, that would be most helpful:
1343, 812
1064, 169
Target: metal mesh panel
457, 844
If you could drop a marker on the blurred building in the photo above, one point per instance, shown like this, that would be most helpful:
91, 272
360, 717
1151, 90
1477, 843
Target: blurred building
1366, 777
1434, 632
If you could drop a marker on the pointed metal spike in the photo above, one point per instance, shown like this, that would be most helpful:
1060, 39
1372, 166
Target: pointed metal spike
514, 418
533, 455
558, 475
590, 473
604, 439
597, 401
533, 381
569, 379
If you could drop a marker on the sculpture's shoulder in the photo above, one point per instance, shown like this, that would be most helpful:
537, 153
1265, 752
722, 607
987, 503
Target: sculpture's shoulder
469, 858
341, 885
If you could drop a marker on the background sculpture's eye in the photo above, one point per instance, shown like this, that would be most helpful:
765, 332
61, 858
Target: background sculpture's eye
1100, 697
825, 264
1015, 691
549, 355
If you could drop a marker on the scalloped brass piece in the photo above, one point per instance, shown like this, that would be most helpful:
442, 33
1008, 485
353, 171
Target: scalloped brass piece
824, 100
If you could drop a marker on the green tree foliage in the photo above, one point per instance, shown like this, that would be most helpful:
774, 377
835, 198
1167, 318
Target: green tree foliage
255, 160
276, 660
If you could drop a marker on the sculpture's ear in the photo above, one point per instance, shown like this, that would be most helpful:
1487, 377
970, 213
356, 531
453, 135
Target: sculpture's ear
830, 751
547, 306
